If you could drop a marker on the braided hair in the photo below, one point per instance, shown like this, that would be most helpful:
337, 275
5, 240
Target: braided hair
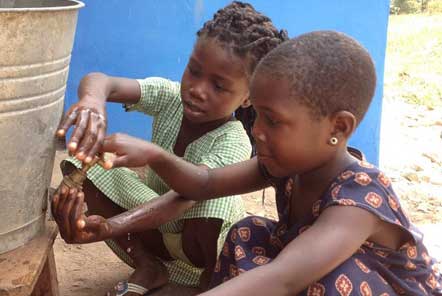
250, 35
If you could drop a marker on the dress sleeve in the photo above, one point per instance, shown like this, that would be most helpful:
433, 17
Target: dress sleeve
156, 94
368, 189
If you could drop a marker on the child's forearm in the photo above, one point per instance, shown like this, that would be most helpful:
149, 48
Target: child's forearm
100, 88
189, 180
261, 281
195, 182
200, 183
150, 215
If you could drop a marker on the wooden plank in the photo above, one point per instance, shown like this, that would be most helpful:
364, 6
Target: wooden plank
21, 268
47, 284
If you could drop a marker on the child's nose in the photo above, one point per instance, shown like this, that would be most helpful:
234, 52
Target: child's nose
257, 134
198, 91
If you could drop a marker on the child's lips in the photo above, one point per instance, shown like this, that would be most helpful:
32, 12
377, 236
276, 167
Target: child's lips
192, 107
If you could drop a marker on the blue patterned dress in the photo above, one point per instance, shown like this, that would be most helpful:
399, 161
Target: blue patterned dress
372, 270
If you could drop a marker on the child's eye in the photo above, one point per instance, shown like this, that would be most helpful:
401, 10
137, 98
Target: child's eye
270, 121
218, 86
266, 119
192, 70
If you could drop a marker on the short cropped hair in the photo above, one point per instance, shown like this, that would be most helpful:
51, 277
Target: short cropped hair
327, 71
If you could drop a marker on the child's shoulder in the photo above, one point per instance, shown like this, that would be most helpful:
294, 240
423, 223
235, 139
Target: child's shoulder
356, 172
363, 185
360, 178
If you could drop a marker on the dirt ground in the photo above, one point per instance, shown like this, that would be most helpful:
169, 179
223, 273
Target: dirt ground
411, 154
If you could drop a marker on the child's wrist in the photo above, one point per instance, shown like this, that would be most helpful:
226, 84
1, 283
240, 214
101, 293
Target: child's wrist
98, 101
154, 155
115, 228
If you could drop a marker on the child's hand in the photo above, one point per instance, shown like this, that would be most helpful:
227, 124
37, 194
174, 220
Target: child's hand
89, 118
129, 151
67, 209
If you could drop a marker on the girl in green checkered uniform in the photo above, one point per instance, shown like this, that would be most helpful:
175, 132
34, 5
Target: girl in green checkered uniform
165, 237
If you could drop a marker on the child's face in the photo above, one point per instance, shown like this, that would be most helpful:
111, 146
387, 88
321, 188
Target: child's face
289, 140
214, 83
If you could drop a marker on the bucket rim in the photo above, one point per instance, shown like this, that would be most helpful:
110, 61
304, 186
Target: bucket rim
76, 4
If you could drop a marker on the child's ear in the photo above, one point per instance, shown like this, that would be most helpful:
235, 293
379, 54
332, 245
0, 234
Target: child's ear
343, 125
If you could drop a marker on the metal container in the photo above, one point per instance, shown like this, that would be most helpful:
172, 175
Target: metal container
36, 38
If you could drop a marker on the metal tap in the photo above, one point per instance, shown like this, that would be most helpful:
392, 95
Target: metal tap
77, 177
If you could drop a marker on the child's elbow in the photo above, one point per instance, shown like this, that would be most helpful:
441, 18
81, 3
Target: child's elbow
287, 283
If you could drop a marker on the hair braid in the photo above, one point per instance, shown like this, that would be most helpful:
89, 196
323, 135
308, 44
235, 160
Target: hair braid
251, 35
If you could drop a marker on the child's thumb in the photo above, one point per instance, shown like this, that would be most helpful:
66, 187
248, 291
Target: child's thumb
117, 161
110, 144
91, 223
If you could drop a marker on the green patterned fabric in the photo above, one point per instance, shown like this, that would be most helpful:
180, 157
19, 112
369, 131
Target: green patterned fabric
225, 145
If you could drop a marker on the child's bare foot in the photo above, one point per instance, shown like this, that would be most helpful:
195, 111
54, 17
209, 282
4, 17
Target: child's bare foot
150, 276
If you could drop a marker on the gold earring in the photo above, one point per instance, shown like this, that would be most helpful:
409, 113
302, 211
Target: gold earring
333, 141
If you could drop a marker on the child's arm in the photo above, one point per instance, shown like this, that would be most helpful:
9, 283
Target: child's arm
189, 180
89, 113
332, 239
67, 210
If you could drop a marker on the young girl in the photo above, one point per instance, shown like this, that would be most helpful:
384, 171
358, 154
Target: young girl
193, 121
341, 229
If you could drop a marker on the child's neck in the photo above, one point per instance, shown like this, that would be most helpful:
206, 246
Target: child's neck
310, 187
319, 179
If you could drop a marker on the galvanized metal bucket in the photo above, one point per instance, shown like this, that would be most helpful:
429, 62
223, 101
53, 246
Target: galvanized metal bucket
36, 38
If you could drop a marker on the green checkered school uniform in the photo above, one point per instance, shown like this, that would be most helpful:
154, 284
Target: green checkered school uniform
222, 146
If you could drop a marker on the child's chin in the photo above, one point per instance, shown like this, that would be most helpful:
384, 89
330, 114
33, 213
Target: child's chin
195, 117
276, 172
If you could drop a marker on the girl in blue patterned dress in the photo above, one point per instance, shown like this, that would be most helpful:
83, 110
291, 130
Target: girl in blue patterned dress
341, 229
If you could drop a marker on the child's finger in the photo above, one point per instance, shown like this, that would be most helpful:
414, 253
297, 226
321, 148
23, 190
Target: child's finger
90, 137
78, 133
58, 211
92, 223
76, 212
108, 164
96, 147
118, 161
109, 144
66, 212
63, 192
54, 204
67, 122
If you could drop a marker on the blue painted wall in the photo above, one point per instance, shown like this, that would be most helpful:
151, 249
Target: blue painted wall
140, 38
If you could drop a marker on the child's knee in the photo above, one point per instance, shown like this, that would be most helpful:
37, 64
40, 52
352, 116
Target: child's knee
200, 240
244, 227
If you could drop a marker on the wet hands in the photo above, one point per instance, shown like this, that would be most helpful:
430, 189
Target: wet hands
89, 118
68, 211
129, 151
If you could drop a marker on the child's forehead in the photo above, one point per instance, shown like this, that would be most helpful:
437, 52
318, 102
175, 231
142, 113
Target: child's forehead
216, 47
270, 92
210, 50
263, 81
276, 95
